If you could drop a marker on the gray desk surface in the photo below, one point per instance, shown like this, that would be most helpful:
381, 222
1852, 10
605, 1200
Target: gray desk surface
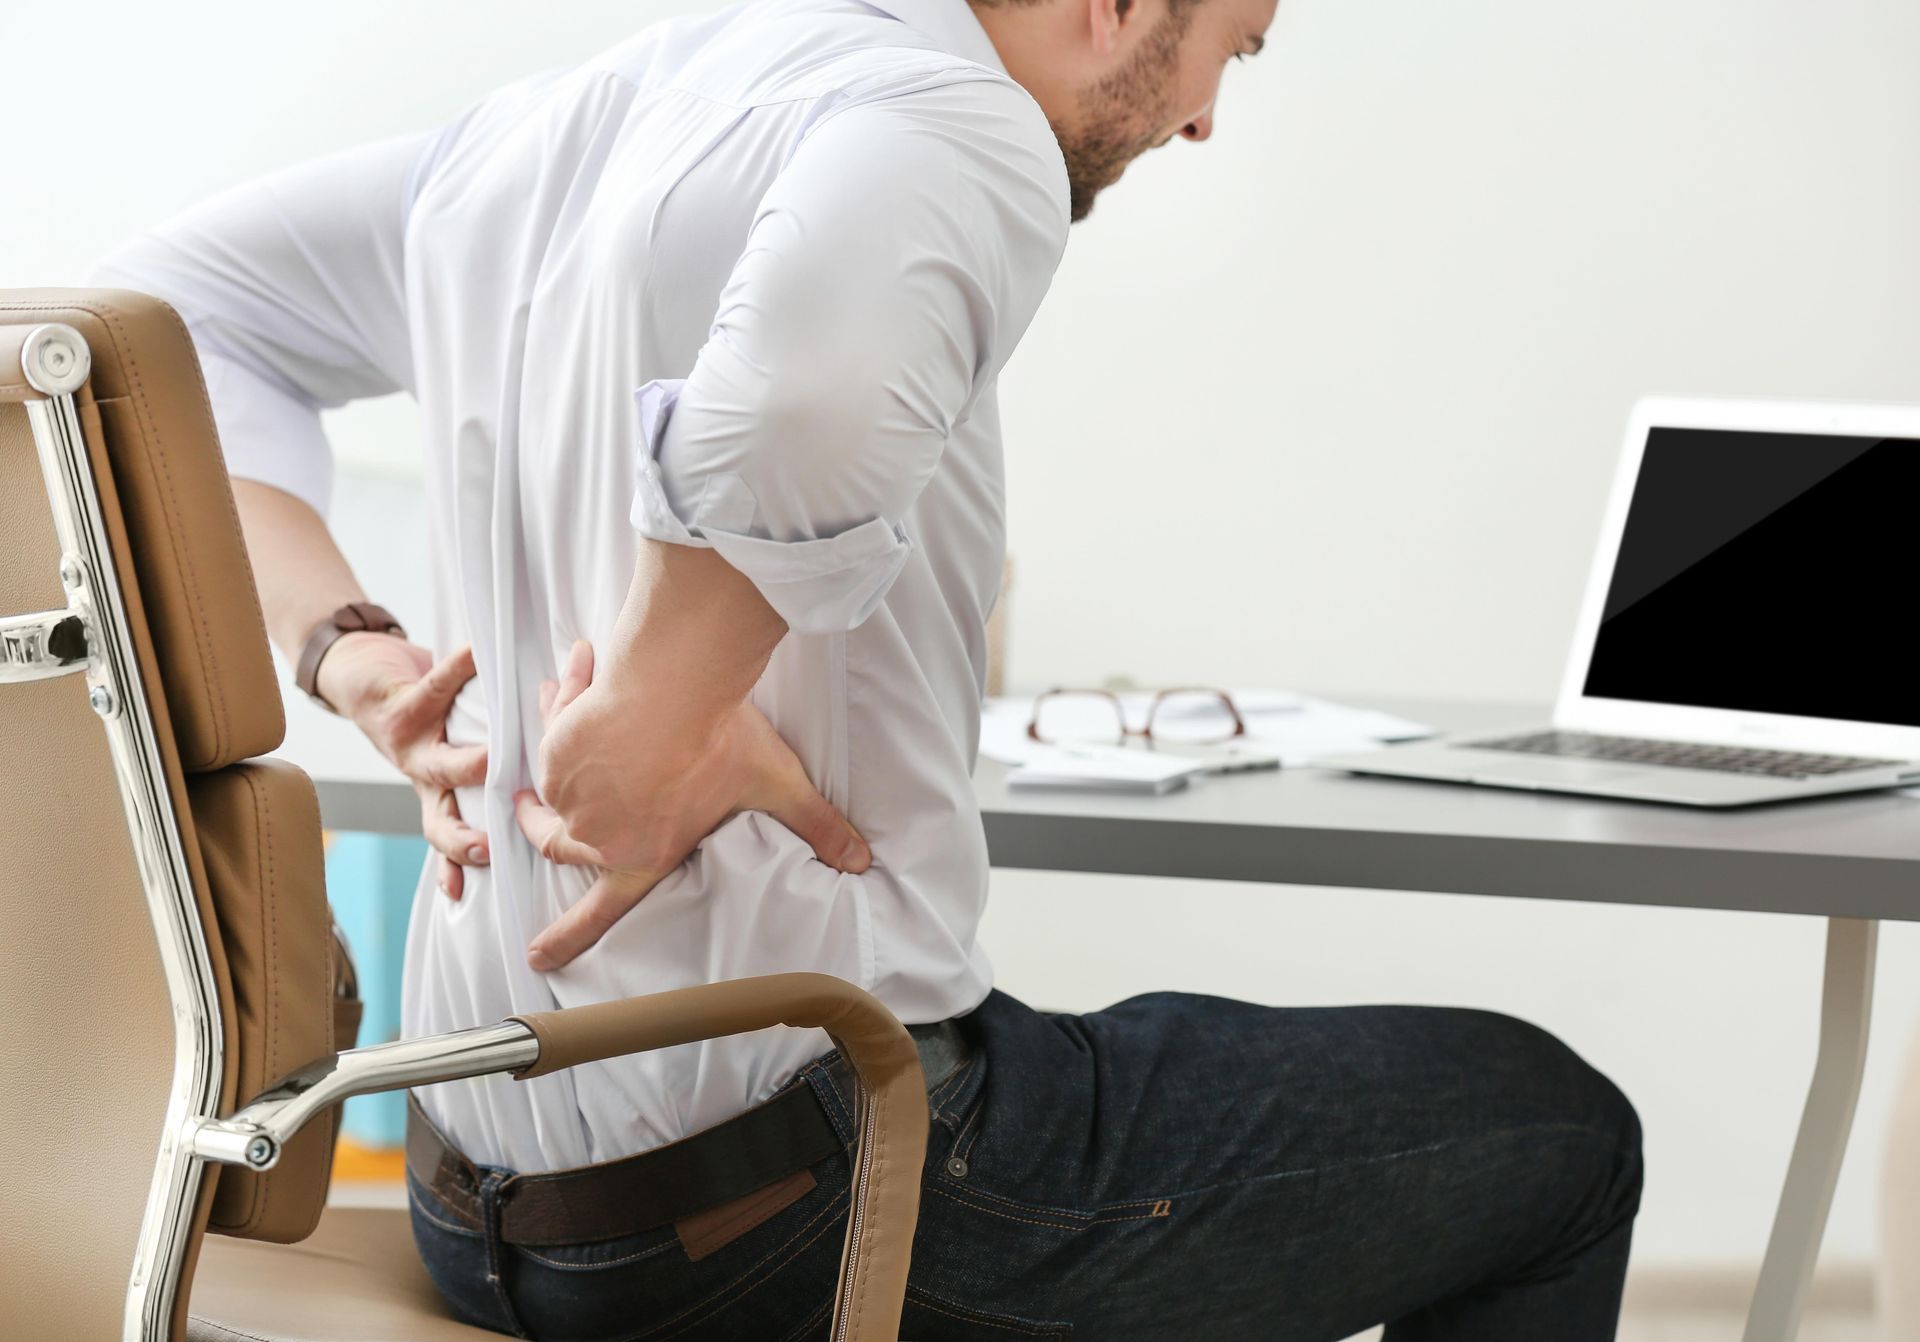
1848, 857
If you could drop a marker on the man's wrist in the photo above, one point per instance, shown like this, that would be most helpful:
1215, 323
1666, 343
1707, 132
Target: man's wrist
356, 619
342, 683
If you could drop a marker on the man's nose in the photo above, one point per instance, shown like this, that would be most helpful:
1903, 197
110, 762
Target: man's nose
1199, 128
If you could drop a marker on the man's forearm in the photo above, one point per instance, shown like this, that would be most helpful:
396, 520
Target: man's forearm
694, 634
301, 574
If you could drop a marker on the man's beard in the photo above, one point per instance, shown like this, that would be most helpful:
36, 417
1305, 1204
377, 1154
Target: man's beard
1122, 116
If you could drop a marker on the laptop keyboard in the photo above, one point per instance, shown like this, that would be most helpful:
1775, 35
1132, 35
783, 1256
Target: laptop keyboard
1681, 754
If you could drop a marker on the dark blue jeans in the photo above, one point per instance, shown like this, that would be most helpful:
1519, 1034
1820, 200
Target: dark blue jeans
1172, 1167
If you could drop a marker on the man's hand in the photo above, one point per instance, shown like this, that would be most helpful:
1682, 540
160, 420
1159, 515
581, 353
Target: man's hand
628, 793
395, 693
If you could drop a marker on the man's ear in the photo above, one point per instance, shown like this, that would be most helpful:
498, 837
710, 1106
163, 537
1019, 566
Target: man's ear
1104, 18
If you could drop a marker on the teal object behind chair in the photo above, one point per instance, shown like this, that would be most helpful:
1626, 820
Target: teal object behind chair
370, 882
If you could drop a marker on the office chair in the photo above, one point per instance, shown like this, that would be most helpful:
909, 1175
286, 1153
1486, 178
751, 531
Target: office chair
167, 1062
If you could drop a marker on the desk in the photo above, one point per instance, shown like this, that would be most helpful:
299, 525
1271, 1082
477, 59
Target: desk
1851, 860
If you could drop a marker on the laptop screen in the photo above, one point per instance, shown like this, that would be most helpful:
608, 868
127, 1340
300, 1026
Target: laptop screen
1768, 573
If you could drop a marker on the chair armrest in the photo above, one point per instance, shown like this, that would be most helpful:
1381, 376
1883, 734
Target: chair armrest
893, 1104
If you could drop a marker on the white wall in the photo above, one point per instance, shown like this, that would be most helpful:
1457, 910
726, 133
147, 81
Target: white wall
1328, 402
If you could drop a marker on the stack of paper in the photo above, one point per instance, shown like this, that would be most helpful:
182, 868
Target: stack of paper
1296, 727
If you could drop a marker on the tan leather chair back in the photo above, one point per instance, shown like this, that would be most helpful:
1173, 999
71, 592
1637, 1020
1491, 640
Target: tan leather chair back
86, 1026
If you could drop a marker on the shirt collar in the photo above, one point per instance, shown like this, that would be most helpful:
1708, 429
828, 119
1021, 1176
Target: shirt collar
951, 23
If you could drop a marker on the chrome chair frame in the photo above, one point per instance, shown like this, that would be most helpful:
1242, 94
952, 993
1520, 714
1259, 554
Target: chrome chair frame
90, 636
56, 361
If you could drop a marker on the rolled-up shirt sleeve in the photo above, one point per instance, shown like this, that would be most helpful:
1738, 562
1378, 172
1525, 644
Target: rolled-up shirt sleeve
293, 290
889, 272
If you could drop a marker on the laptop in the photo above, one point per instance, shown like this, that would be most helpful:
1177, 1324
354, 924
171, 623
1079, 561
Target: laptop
1749, 629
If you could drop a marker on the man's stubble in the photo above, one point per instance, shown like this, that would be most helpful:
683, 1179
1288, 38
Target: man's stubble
1123, 115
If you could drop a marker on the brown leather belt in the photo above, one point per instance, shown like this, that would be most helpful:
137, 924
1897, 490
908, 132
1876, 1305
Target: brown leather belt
622, 1197
772, 1143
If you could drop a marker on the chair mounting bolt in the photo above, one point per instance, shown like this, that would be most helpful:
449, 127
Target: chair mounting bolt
55, 359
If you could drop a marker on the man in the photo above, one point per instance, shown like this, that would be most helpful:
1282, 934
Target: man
706, 334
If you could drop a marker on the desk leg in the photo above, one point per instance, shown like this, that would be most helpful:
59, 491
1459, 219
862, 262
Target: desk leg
1846, 1007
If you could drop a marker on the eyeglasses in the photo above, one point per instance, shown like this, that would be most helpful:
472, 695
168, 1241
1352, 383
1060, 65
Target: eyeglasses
1173, 717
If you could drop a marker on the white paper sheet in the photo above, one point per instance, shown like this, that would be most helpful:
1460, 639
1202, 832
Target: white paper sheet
1296, 727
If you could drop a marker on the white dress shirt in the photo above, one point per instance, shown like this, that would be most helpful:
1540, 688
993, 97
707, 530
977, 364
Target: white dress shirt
744, 281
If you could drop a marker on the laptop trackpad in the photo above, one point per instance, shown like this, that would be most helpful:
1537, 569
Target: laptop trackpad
1565, 773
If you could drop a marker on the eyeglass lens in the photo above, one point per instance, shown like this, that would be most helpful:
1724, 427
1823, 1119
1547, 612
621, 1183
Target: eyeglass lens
1193, 717
1078, 719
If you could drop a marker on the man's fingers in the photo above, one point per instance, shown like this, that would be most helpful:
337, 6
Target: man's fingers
575, 676
784, 792
457, 843
443, 681
832, 837
547, 832
450, 835
609, 900
429, 699
548, 689
447, 766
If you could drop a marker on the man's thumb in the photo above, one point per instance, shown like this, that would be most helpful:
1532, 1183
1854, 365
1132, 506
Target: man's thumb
575, 676
832, 837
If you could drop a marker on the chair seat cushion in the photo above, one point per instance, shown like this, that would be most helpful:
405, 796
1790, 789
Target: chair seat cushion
357, 1279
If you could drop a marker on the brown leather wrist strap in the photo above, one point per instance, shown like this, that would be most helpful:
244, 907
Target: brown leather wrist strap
893, 1109
353, 618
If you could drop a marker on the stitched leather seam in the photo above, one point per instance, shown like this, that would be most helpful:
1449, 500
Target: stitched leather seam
182, 558
223, 727
882, 1180
111, 320
232, 1333
263, 873
202, 645
270, 907
262, 1188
